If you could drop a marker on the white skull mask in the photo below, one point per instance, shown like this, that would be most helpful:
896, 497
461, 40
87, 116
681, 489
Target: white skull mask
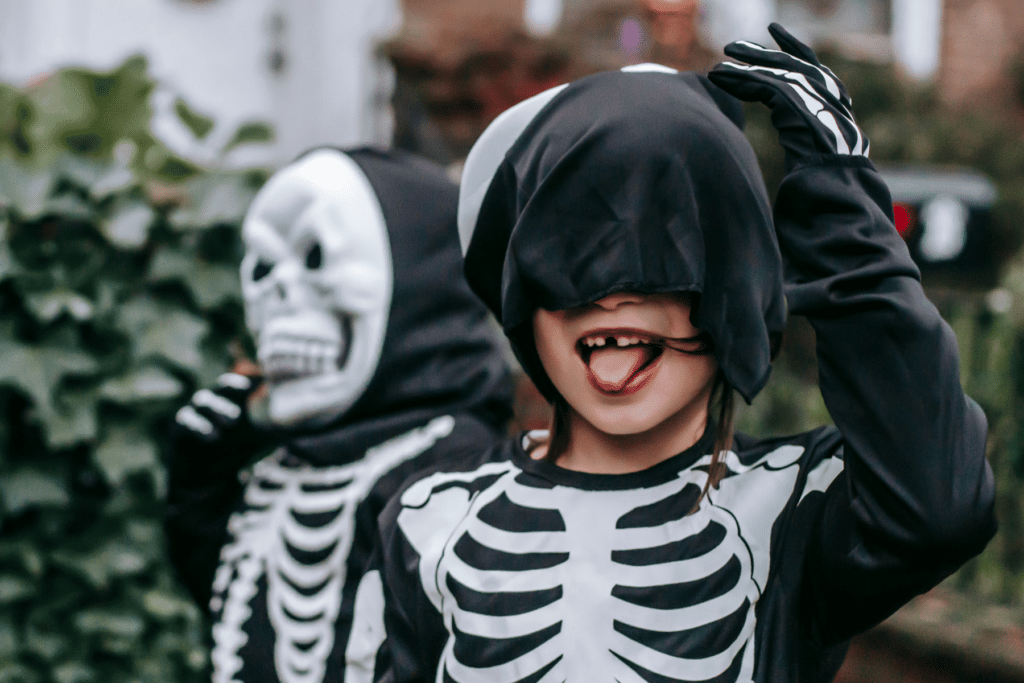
317, 280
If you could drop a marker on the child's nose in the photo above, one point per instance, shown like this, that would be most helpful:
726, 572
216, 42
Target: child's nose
613, 301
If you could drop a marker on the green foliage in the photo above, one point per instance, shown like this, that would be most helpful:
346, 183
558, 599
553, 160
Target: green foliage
119, 296
197, 123
992, 371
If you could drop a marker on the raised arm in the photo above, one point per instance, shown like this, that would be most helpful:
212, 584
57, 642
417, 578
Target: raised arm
915, 500
210, 440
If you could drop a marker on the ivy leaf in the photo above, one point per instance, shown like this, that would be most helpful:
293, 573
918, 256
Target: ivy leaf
45, 643
100, 178
14, 589
17, 673
251, 132
128, 228
214, 199
164, 332
123, 451
26, 487
37, 369
8, 640
26, 555
73, 672
75, 420
24, 189
197, 123
166, 606
210, 283
89, 112
175, 338
80, 171
147, 383
68, 207
113, 560
50, 305
108, 622
8, 265
117, 179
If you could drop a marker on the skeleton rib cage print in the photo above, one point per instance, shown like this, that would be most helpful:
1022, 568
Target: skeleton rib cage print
296, 532
540, 582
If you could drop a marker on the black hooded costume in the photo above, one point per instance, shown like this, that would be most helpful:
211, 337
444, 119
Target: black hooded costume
514, 569
278, 550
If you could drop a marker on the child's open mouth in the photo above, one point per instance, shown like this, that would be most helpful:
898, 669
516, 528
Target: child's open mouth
619, 362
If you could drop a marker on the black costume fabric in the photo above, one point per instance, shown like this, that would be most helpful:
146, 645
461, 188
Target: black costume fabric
440, 390
634, 181
512, 569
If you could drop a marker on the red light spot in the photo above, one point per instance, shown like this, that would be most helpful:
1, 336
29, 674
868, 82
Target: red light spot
904, 219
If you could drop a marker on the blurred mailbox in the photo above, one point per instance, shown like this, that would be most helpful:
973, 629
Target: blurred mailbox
945, 217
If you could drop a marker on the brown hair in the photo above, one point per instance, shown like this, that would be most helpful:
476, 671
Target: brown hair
721, 403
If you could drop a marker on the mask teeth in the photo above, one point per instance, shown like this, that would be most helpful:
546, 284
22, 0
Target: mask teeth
288, 358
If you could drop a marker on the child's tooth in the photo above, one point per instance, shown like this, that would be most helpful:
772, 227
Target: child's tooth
599, 341
591, 341
622, 341
634, 340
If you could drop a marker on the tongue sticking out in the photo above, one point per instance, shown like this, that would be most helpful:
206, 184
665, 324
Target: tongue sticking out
613, 368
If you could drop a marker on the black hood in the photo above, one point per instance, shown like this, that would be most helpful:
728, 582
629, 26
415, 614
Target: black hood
440, 355
637, 180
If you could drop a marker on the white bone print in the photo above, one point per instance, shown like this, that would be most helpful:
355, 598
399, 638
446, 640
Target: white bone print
814, 105
561, 584
297, 531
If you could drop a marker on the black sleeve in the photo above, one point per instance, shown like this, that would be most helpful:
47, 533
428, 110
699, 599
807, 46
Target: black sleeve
203, 490
470, 436
416, 634
915, 499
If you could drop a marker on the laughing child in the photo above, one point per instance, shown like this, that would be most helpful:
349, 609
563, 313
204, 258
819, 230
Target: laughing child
619, 229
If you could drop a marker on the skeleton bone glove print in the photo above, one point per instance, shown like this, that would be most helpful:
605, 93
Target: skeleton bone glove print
810, 106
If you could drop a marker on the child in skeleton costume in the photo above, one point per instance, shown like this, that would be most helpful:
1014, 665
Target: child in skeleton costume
379, 362
619, 228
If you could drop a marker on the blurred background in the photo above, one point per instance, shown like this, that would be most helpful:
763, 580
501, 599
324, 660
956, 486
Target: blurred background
133, 134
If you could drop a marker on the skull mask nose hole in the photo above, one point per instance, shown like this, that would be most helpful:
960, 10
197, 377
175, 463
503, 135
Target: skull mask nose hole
314, 257
281, 292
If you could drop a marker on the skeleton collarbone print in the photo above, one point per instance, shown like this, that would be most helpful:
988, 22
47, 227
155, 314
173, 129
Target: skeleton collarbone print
292, 539
582, 577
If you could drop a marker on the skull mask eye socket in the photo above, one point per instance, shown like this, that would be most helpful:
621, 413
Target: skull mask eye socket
261, 270
314, 257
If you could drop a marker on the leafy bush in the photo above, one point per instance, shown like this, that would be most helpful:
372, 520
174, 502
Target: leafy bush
119, 295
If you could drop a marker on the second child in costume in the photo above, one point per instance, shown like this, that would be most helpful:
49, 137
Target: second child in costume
378, 362
619, 228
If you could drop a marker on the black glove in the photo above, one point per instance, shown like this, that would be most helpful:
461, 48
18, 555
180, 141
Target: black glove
213, 429
810, 106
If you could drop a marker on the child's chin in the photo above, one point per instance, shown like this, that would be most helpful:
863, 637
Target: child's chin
625, 420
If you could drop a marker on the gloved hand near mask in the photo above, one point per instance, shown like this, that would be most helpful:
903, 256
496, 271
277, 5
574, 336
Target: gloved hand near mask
810, 107
215, 423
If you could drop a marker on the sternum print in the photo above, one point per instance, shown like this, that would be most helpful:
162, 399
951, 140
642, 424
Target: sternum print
672, 595
588, 579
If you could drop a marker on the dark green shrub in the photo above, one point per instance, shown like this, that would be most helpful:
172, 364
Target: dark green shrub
119, 295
